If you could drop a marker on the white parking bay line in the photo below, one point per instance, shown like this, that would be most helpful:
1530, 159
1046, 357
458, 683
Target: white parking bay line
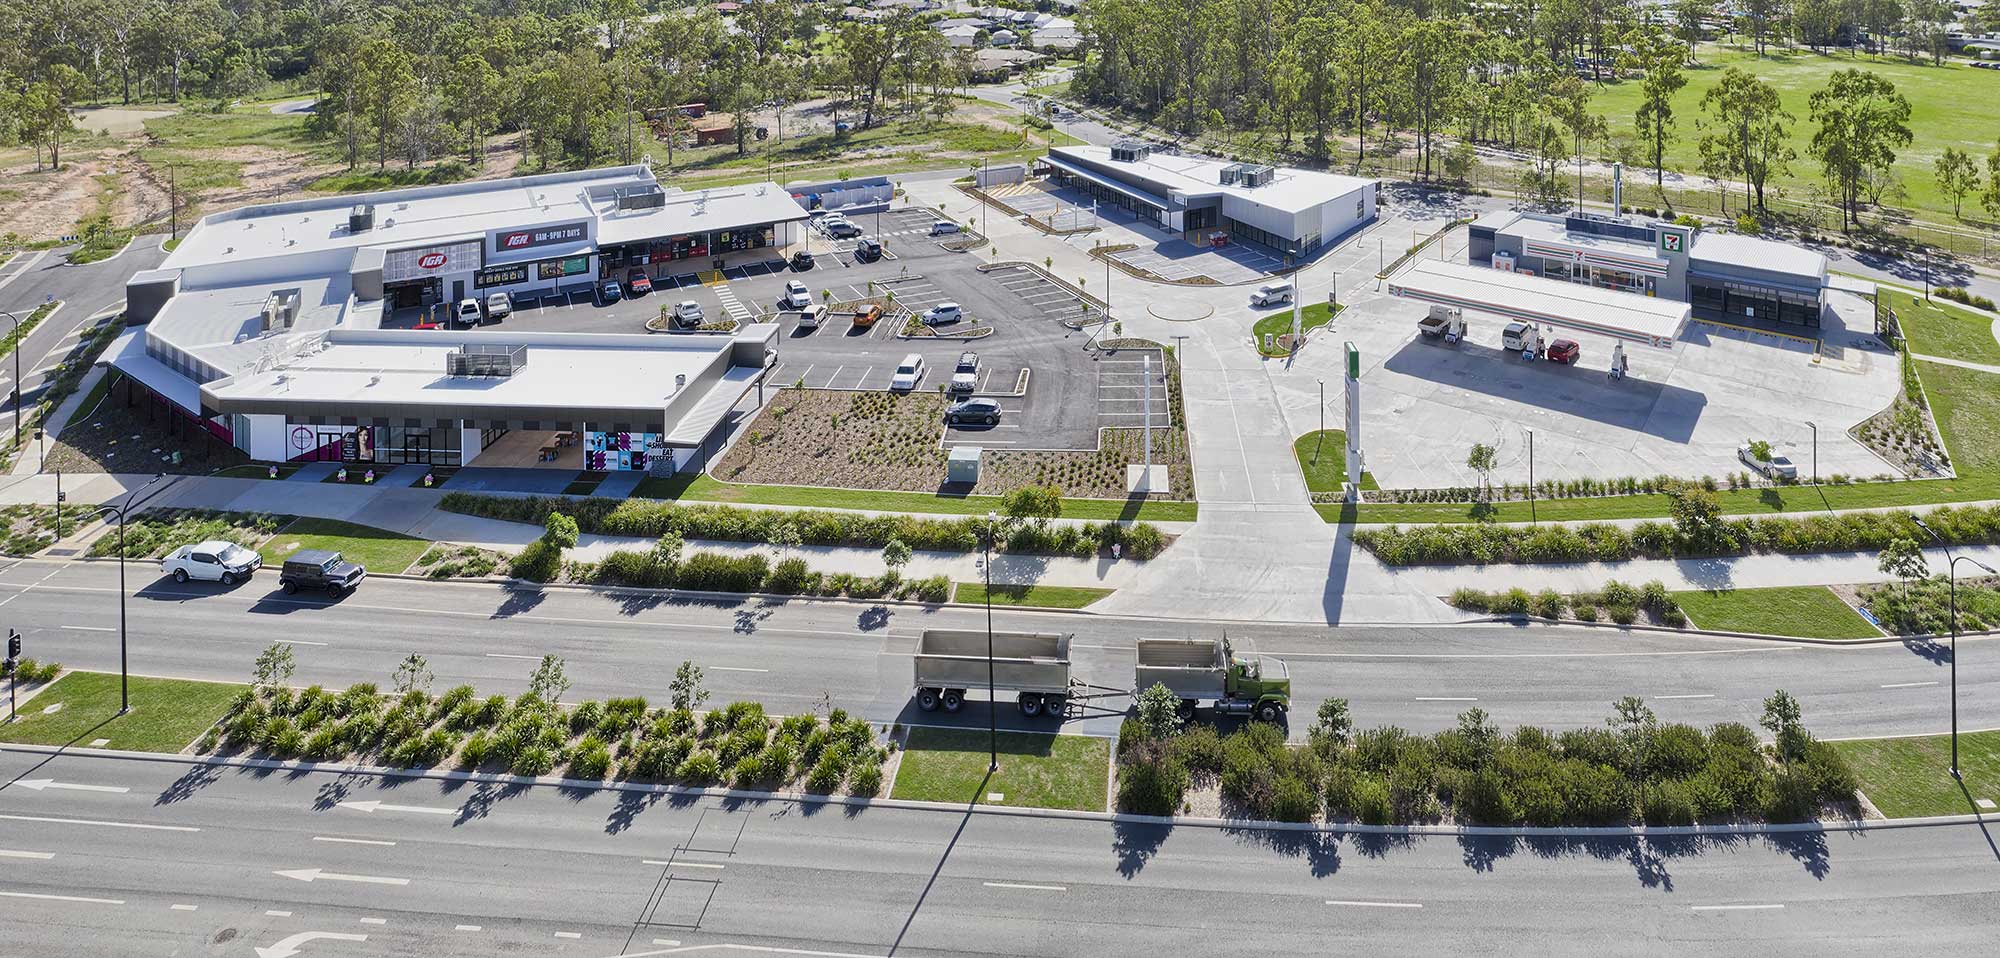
1002, 884
659, 861
1772, 907
1374, 904
1907, 685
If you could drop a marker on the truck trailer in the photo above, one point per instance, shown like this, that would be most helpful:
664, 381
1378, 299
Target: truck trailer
1035, 666
1210, 672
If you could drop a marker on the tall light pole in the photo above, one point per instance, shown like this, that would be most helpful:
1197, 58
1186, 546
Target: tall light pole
993, 703
1532, 519
1952, 570
1320, 436
1815, 451
17, 374
123, 509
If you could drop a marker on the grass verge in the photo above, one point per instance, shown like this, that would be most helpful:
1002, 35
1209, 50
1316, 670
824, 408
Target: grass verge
166, 714
1938, 329
1806, 611
1311, 316
700, 488
1036, 770
378, 550
1910, 777
1323, 458
1043, 596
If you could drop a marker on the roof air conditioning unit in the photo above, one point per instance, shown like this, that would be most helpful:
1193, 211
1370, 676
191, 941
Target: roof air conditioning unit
361, 218
281, 309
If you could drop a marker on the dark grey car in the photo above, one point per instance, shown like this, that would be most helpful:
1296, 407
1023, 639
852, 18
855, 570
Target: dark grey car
320, 569
981, 410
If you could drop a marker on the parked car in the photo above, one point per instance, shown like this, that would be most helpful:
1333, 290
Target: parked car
942, 227
216, 560
499, 305
796, 296
839, 227
467, 313
965, 377
427, 324
320, 569
868, 250
867, 315
688, 314
909, 373
1566, 351
1776, 467
977, 410
609, 292
943, 313
802, 261
813, 316
637, 283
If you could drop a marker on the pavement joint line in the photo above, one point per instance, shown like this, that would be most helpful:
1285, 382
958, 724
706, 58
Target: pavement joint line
1373, 904
1020, 887
75, 898
91, 821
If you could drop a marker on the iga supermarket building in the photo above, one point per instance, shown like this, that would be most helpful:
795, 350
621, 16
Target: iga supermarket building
265, 326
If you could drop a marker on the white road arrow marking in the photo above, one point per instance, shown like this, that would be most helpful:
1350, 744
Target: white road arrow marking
315, 874
375, 806
38, 784
288, 946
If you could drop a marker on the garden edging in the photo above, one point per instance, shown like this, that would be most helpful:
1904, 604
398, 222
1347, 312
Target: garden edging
1123, 818
1527, 619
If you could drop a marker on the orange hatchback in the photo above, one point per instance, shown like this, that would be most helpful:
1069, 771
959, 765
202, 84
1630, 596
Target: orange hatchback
867, 315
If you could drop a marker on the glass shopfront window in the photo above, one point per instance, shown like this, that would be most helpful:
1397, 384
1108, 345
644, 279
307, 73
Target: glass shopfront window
389, 445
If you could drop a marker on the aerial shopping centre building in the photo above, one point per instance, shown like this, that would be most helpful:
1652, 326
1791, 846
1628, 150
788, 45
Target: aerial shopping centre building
265, 326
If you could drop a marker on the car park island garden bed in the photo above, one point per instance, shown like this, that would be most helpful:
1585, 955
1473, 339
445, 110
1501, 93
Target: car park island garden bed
891, 442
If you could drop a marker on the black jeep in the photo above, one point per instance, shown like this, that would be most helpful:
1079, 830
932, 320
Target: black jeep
320, 569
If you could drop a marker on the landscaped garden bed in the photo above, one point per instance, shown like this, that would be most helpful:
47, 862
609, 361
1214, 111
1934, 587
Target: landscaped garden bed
156, 532
1633, 770
28, 529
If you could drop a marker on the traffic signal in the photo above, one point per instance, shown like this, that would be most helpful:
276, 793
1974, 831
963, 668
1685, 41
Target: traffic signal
13, 644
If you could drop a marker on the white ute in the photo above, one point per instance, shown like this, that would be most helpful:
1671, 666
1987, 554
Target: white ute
216, 560
796, 296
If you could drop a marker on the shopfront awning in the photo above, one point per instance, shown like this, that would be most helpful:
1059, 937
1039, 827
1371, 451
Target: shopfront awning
127, 354
701, 420
1151, 199
1628, 316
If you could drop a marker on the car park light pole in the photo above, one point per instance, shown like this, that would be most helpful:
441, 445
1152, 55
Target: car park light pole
1952, 573
17, 374
1815, 450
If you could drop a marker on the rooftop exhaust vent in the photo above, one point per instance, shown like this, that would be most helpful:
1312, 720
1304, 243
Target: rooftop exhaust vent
486, 360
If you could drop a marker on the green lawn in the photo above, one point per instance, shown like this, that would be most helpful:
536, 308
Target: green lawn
699, 487
378, 550
1323, 459
1036, 771
1907, 777
1966, 404
1311, 316
166, 715
1807, 611
1950, 105
1044, 596
1942, 329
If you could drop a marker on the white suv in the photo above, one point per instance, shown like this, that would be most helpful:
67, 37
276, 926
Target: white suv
909, 373
215, 560
943, 313
796, 296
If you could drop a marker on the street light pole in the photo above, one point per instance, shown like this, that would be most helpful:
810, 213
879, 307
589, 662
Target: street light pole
1320, 436
17, 374
1815, 456
1951, 568
1531, 477
993, 703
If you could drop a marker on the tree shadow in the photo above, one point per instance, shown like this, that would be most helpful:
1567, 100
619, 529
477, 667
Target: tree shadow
519, 601
192, 781
872, 618
1135, 844
1930, 650
628, 808
484, 796
1321, 850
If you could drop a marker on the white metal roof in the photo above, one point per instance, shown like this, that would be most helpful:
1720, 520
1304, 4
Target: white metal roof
224, 326
751, 204
563, 371
1628, 316
127, 354
1539, 230
1770, 256
1292, 190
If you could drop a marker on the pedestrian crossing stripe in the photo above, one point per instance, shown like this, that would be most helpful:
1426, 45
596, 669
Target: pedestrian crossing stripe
730, 304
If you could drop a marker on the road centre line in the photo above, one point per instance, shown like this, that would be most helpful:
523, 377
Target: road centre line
90, 628
568, 934
1772, 907
1374, 904
657, 861
374, 921
1907, 685
353, 841
466, 928
510, 655
734, 668
1703, 695
277, 914
1002, 884
74, 898
37, 856
106, 824
184, 907
1445, 698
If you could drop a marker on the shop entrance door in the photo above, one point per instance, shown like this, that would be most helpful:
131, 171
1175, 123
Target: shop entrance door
457, 290
327, 445
416, 447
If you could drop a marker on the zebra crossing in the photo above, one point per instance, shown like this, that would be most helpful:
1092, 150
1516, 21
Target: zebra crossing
731, 305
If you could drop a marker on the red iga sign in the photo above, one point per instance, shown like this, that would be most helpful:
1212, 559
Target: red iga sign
539, 236
431, 261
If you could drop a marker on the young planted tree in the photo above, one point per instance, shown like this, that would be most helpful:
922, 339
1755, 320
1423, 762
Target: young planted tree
413, 673
1862, 121
1904, 559
1481, 460
273, 667
686, 691
549, 680
1957, 177
1158, 710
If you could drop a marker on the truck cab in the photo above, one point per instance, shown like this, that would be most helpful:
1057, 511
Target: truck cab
1261, 685
1210, 672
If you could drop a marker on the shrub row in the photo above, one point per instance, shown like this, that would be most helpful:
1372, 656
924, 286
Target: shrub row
714, 572
1959, 294
156, 532
652, 518
1619, 602
620, 738
1460, 544
30, 672
1634, 770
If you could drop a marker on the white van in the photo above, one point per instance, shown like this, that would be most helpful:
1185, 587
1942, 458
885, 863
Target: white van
1271, 294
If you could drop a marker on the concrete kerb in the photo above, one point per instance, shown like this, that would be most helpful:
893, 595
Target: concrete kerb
1526, 619
755, 795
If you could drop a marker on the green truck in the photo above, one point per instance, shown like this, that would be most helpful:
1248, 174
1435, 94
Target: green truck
1210, 672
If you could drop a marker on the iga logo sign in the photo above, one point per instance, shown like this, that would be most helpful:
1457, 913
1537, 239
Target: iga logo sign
431, 260
508, 240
